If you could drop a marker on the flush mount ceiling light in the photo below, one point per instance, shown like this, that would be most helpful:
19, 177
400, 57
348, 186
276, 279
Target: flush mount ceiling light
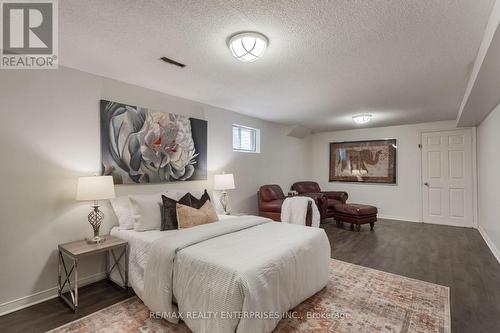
362, 118
248, 46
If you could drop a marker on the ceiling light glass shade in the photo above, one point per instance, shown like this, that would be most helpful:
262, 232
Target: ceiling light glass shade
362, 118
248, 46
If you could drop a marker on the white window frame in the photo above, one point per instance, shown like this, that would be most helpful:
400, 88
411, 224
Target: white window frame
256, 139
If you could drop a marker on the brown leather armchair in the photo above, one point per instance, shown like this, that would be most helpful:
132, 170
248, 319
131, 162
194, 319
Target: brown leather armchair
270, 200
327, 204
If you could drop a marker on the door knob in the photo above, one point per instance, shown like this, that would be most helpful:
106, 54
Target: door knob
426, 184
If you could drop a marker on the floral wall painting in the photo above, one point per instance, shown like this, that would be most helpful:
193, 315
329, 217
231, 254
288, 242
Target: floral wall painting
139, 145
371, 161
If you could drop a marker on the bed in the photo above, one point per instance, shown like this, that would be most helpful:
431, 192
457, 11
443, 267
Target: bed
236, 275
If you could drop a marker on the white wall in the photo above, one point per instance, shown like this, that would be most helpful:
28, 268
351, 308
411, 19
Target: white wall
49, 136
394, 201
488, 160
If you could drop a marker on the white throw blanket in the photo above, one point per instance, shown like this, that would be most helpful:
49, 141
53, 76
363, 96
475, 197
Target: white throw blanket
294, 211
247, 264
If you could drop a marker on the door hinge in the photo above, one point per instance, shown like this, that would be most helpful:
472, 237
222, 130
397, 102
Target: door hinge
420, 145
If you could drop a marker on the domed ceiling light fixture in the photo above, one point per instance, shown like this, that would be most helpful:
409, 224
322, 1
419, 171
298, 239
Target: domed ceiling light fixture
362, 118
248, 46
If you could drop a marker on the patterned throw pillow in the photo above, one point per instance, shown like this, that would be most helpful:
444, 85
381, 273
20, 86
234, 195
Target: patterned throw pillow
188, 217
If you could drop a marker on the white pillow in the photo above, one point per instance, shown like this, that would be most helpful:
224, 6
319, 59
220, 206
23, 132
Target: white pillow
146, 210
123, 211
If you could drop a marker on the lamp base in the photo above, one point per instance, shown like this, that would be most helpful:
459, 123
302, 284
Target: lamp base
96, 240
95, 218
224, 200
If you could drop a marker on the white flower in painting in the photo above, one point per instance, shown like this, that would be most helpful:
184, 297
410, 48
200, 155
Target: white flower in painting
183, 157
166, 142
148, 146
157, 140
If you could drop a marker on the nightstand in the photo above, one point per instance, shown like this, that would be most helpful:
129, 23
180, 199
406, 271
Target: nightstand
76, 250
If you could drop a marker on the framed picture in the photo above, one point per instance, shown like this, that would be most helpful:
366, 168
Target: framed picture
371, 161
139, 145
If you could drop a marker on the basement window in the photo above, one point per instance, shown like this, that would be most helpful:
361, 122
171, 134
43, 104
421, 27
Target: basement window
246, 139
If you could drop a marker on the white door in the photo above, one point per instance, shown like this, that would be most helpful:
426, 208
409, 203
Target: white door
447, 177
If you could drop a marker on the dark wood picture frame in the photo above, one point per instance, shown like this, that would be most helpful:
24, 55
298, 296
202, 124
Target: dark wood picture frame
360, 158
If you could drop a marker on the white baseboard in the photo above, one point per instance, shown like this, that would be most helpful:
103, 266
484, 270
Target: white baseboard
41, 296
490, 243
399, 218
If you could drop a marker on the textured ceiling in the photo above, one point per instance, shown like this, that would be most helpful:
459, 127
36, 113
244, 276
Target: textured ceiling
403, 61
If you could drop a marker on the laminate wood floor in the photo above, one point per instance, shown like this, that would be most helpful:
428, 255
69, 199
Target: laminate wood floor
53, 313
454, 257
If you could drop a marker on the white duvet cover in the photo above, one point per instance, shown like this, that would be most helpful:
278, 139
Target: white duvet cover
139, 244
237, 275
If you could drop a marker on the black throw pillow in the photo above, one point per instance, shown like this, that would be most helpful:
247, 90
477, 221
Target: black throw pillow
198, 203
169, 216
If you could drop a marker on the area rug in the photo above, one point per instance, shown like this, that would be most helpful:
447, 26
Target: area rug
356, 299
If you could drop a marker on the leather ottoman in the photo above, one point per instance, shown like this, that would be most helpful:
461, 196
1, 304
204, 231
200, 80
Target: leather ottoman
355, 214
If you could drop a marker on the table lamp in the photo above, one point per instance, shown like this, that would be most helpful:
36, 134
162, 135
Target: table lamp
94, 189
224, 182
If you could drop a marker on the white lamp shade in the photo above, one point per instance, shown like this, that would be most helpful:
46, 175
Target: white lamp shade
95, 188
224, 182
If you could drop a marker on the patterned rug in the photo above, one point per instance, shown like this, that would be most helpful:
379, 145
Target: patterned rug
356, 299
